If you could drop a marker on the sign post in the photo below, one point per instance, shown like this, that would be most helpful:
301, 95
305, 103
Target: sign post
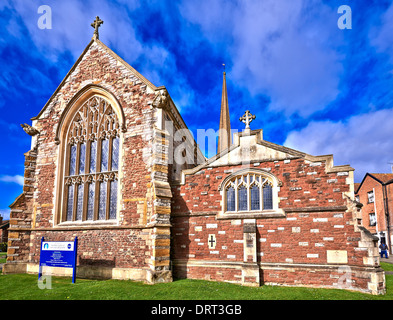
58, 254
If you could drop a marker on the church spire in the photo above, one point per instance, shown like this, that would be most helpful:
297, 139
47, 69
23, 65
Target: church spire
224, 136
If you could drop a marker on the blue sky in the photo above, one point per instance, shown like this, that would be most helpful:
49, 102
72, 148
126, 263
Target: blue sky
313, 86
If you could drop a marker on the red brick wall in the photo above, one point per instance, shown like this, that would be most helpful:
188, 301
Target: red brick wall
125, 248
368, 185
136, 103
301, 237
303, 186
105, 248
379, 206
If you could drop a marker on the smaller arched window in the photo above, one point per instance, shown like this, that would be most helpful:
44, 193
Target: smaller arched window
250, 191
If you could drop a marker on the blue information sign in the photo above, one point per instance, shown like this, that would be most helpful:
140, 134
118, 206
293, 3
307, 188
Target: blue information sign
58, 254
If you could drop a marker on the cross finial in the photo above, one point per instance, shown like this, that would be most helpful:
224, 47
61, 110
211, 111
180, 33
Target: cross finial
247, 118
96, 24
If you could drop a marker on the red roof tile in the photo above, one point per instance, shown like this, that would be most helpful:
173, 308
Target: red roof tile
383, 177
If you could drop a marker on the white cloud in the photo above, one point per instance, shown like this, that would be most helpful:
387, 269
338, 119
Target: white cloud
71, 28
5, 213
364, 141
71, 31
280, 48
381, 36
18, 179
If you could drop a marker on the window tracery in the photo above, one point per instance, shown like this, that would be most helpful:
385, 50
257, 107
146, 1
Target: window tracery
248, 192
92, 163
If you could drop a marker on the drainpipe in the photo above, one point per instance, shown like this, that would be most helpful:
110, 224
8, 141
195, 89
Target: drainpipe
386, 207
376, 214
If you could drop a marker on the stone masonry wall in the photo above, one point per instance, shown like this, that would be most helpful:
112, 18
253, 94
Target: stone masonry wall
291, 250
129, 244
21, 215
99, 68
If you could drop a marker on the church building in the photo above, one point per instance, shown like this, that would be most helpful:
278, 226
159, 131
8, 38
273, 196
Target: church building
113, 163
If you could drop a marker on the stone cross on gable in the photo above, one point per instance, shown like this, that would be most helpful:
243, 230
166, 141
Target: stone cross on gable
247, 118
96, 24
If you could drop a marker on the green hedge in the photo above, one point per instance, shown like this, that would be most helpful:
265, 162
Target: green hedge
3, 246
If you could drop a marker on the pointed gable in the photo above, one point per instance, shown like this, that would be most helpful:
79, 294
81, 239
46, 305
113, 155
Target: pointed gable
95, 44
251, 148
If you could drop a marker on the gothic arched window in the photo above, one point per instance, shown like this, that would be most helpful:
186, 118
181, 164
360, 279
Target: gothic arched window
92, 163
248, 192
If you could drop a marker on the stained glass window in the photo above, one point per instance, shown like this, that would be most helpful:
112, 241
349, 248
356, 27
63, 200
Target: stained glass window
231, 199
249, 191
93, 154
102, 201
90, 201
79, 204
242, 198
104, 154
267, 197
82, 158
70, 202
72, 159
113, 200
255, 205
115, 153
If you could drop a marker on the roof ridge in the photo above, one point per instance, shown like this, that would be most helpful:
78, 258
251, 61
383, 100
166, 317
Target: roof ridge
127, 65
110, 52
62, 82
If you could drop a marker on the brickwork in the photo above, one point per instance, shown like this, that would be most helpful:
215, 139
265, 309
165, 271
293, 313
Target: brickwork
381, 186
134, 241
21, 215
304, 184
171, 217
319, 220
369, 184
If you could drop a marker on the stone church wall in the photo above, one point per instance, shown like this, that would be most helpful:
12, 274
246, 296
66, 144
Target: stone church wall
166, 225
130, 243
314, 244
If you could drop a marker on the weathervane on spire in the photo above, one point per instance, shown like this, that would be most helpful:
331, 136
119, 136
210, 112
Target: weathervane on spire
96, 24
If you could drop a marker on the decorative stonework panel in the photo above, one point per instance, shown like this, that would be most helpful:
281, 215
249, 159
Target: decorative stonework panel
337, 256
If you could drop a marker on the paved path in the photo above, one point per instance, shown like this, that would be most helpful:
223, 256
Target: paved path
388, 260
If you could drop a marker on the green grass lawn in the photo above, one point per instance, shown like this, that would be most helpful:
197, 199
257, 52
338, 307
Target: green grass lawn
25, 287
3, 256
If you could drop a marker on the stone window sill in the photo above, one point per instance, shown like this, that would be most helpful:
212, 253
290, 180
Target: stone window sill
88, 223
279, 213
